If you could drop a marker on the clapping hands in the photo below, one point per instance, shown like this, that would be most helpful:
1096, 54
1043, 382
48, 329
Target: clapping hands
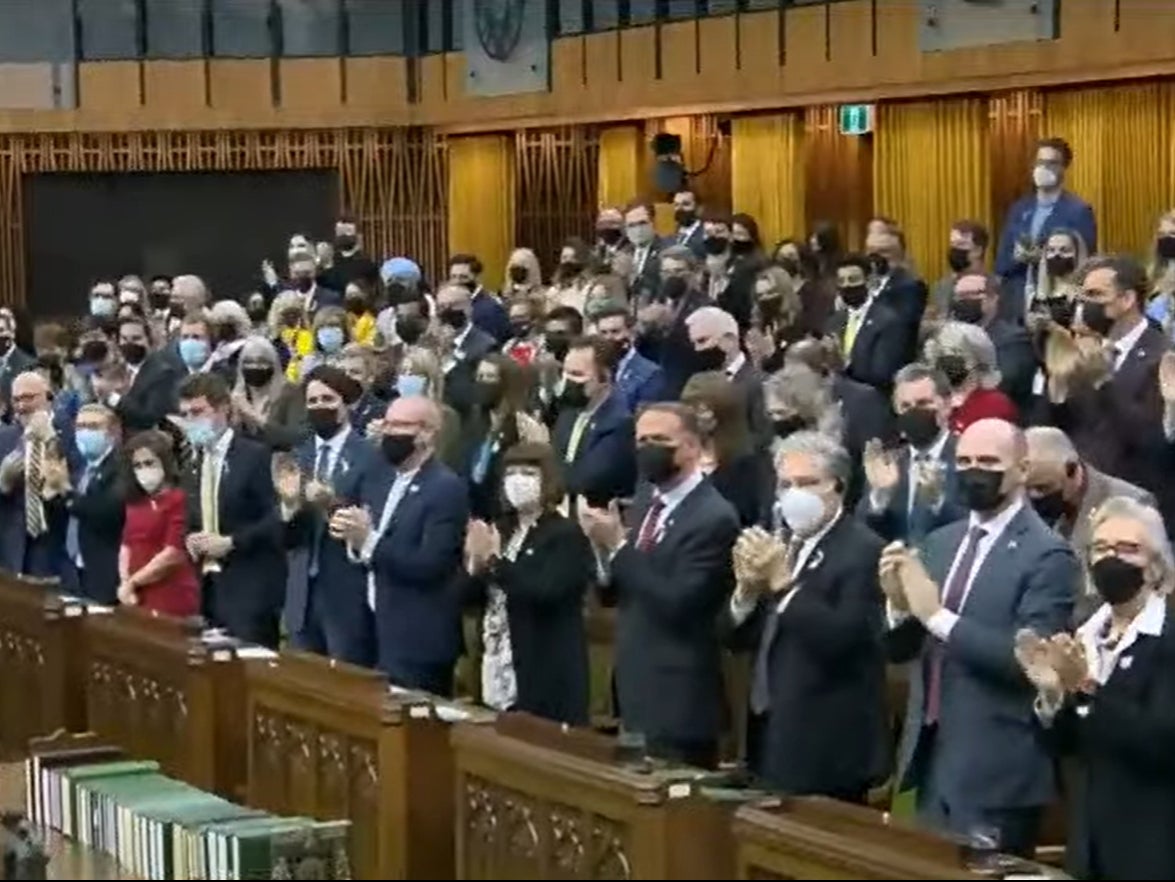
906, 583
761, 563
1056, 666
482, 545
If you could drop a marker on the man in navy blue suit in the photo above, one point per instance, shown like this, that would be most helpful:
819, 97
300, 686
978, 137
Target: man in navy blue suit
409, 531
638, 379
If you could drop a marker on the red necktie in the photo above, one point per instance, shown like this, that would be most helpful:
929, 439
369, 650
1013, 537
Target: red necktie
952, 599
648, 531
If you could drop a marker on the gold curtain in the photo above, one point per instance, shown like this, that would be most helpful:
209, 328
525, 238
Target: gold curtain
1122, 157
481, 200
930, 168
767, 173
619, 165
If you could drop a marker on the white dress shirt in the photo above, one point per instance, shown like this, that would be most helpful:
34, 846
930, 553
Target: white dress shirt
1126, 343
334, 446
879, 499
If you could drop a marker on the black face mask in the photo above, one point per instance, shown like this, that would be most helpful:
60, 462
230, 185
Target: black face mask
789, 265
769, 307
5, 345
953, 367
454, 318
1050, 506
879, 264
1165, 247
52, 365
518, 274
655, 462
967, 309
741, 246
1061, 310
469, 285
570, 267
346, 243
854, 296
410, 328
787, 426
958, 259
95, 350
980, 490
520, 329
609, 235
256, 377
356, 304
919, 426
715, 244
397, 448
674, 287
133, 353
685, 217
258, 314
304, 284
1095, 317
711, 359
1059, 265
324, 421
159, 300
488, 394
1116, 580
557, 345
574, 394
226, 333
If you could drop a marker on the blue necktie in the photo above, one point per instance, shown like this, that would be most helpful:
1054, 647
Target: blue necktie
73, 546
322, 475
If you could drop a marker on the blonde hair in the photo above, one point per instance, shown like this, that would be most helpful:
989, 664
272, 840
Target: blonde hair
424, 363
526, 258
1044, 282
971, 342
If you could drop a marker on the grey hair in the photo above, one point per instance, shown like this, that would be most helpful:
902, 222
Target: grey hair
1156, 533
809, 394
1051, 444
971, 342
682, 253
917, 371
833, 458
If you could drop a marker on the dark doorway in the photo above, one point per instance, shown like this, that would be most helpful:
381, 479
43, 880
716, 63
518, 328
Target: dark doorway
218, 225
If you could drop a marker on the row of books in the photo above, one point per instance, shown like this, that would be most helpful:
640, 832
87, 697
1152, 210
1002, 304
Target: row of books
161, 828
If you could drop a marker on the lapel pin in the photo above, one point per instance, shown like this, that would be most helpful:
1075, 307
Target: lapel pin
413, 488
1125, 662
1012, 545
816, 560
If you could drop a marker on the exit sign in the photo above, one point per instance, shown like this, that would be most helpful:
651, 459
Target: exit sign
856, 119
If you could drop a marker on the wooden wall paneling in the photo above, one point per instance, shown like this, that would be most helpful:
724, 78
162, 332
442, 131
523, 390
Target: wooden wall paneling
433, 86
839, 170
556, 185
679, 57
110, 86
378, 83
718, 55
603, 68
850, 42
175, 91
241, 85
569, 71
1015, 122
395, 180
638, 70
311, 84
760, 52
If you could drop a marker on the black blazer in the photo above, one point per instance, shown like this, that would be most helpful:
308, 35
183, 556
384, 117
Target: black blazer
883, 345
1122, 783
461, 380
151, 396
100, 512
544, 589
826, 730
669, 683
906, 295
1016, 358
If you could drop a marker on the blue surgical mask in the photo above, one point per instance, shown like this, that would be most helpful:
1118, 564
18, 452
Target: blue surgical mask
408, 385
330, 339
103, 307
92, 444
193, 352
201, 434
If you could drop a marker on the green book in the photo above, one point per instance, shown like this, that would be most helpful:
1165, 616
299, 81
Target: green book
114, 806
169, 827
219, 849
253, 853
77, 811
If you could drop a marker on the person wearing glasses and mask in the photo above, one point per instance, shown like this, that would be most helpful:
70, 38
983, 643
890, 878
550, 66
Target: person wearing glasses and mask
874, 338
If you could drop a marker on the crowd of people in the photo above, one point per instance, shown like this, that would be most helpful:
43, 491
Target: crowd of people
808, 455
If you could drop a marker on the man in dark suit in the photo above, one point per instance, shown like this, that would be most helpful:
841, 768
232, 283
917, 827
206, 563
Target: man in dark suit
664, 337
687, 215
1116, 421
969, 743
891, 283
154, 379
646, 249
96, 506
670, 577
463, 345
875, 340
976, 301
810, 610
235, 536
638, 380
714, 335
1033, 218
304, 279
326, 607
486, 310
410, 533
13, 360
912, 491
593, 435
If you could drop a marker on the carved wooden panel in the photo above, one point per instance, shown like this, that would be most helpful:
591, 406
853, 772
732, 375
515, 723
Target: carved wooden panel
512, 835
301, 768
394, 181
556, 186
22, 659
147, 716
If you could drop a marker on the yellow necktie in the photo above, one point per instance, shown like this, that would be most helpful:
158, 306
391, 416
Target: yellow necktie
577, 433
852, 326
209, 495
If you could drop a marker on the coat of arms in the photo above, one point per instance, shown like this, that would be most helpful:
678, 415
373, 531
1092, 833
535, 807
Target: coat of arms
499, 26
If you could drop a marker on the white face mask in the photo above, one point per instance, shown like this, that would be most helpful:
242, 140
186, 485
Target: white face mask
802, 510
640, 234
150, 478
1044, 177
522, 491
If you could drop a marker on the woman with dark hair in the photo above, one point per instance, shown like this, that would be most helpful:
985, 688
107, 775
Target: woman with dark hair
154, 569
817, 295
532, 586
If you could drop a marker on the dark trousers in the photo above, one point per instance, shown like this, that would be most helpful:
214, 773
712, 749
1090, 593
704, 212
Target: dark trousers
347, 638
245, 622
431, 678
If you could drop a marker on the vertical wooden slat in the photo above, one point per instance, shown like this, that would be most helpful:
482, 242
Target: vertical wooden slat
1015, 121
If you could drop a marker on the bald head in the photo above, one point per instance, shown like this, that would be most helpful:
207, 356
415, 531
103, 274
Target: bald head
410, 430
991, 463
30, 394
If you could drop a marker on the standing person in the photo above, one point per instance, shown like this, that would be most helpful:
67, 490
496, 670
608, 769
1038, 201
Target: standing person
96, 506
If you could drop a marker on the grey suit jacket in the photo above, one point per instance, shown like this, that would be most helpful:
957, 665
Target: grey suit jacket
987, 750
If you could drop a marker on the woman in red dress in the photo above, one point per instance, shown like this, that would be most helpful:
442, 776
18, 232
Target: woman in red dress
965, 355
154, 569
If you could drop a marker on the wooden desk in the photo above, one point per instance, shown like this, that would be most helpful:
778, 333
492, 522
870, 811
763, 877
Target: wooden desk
816, 838
42, 657
329, 740
155, 689
535, 801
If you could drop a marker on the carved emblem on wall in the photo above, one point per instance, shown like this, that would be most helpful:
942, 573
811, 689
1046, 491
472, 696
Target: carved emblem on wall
522, 835
481, 816
609, 847
567, 840
499, 26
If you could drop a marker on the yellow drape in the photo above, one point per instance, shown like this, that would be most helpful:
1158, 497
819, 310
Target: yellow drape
1122, 157
619, 165
481, 200
767, 173
930, 168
